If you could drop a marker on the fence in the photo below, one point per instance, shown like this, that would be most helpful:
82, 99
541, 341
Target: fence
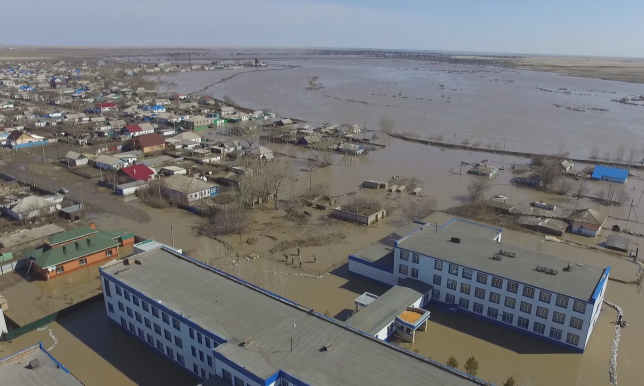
309, 270
79, 173
12, 266
36, 324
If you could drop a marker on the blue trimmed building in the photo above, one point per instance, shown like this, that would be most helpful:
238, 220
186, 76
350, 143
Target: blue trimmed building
471, 271
216, 327
606, 173
35, 366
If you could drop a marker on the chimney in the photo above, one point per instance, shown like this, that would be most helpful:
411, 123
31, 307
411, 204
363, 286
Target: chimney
92, 225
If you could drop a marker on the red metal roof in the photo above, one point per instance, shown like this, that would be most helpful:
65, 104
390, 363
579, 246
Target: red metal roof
133, 128
106, 104
138, 172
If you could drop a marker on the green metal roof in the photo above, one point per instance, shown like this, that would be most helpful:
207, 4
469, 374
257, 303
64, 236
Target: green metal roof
124, 234
71, 235
48, 256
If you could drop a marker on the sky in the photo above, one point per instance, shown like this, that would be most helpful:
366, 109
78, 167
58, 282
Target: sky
561, 27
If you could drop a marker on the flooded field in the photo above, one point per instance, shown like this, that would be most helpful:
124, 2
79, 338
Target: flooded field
531, 111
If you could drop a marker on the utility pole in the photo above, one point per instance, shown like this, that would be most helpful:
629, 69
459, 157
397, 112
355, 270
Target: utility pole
172, 232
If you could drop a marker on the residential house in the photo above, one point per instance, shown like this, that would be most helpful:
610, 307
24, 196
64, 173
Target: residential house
198, 122
351, 148
261, 152
529, 177
18, 139
75, 159
284, 122
609, 174
566, 166
138, 172
31, 207
226, 147
117, 124
162, 102
167, 132
136, 130
586, 222
309, 140
225, 111
149, 143
158, 109
188, 189
172, 170
104, 107
185, 136
6, 105
106, 162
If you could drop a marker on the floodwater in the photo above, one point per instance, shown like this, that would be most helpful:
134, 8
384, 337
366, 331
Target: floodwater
479, 103
99, 353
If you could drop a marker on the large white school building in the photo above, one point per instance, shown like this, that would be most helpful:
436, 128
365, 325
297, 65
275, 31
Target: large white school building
471, 271
222, 329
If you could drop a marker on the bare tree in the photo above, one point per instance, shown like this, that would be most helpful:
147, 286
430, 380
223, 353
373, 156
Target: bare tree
594, 153
418, 209
621, 197
278, 173
250, 135
324, 157
562, 151
632, 154
477, 189
565, 186
606, 155
233, 218
550, 173
618, 156
387, 124
229, 100
476, 144
465, 142
580, 190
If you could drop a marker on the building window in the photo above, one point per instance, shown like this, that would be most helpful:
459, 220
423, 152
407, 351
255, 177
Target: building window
542, 312
110, 307
562, 301
512, 287
539, 328
194, 351
523, 323
196, 369
108, 253
463, 303
578, 306
145, 306
467, 273
135, 300
572, 339
526, 307
126, 294
414, 273
147, 323
128, 311
226, 376
545, 296
507, 317
169, 351
203, 373
492, 312
176, 324
415, 258
555, 333
449, 299
558, 317
404, 255
510, 302
528, 292
207, 341
451, 284
495, 298
437, 280
191, 332
481, 278
82, 261
166, 318
106, 287
180, 359
198, 337
239, 382
478, 308
123, 322
121, 307
453, 269
150, 339
118, 290
465, 288
576, 323
436, 294
209, 358
137, 316
60, 269
168, 335
201, 357
438, 265
132, 328
157, 328
479, 293
402, 269
141, 334
497, 282
155, 311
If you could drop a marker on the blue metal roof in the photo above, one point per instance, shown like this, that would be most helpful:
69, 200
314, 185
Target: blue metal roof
605, 171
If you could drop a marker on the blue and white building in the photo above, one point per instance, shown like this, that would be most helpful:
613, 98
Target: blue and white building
471, 271
35, 366
609, 174
214, 325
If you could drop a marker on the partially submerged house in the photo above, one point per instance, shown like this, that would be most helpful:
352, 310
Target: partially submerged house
261, 152
483, 171
351, 148
609, 174
586, 222
618, 243
353, 214
187, 189
529, 177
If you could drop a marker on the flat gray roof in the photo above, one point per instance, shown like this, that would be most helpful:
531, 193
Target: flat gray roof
382, 311
476, 252
382, 251
16, 370
238, 311
472, 229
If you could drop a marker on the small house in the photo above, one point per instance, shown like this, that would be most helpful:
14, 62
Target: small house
309, 140
149, 143
75, 159
529, 177
609, 174
187, 189
284, 122
106, 162
137, 172
351, 148
261, 152
586, 222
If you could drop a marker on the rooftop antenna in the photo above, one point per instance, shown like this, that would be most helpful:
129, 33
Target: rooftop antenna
436, 223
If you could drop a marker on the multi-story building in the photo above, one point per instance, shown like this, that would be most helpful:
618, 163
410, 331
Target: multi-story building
214, 324
548, 297
35, 366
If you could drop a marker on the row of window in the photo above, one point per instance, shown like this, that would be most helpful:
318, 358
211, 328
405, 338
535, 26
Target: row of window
403, 269
81, 262
507, 317
544, 296
404, 255
228, 378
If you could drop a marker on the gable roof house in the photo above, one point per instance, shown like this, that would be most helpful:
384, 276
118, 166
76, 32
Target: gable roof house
75, 159
188, 189
586, 222
106, 162
18, 139
138, 172
30, 207
148, 143
351, 148
198, 122
261, 152
117, 124
136, 130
